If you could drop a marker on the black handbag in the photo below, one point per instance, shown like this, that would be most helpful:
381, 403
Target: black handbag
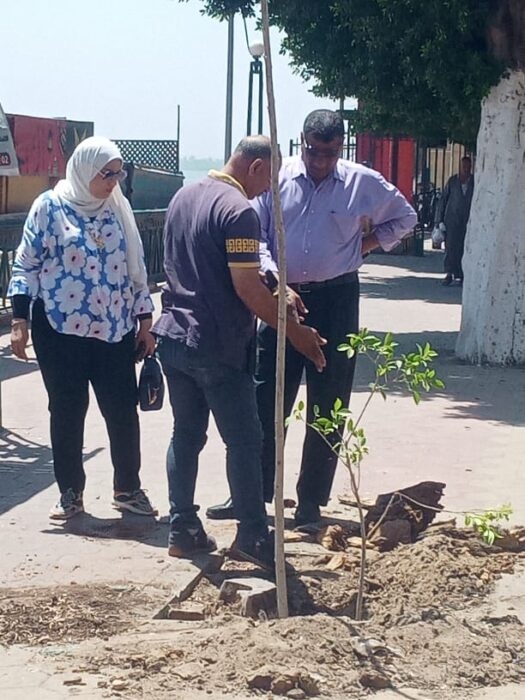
151, 385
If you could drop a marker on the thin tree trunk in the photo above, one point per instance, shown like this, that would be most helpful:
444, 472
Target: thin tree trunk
282, 595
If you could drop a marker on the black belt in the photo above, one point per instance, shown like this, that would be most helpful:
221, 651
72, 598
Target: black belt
302, 287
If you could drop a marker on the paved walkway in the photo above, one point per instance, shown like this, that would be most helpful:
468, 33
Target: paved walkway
471, 435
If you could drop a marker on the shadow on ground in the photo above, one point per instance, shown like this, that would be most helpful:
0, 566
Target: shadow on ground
419, 282
474, 391
126, 526
11, 367
410, 287
26, 468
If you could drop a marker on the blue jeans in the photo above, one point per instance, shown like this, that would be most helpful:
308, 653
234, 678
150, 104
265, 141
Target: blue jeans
198, 384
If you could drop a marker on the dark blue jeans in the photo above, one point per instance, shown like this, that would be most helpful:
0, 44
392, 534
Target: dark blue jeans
198, 384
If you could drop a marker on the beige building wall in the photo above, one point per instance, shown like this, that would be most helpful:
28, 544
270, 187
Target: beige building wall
22, 190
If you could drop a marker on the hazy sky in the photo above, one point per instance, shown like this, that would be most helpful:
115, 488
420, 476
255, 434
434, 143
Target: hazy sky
127, 64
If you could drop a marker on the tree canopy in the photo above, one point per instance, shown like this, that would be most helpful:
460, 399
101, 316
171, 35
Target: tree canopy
418, 67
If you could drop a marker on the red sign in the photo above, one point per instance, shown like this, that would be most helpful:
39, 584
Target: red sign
44, 145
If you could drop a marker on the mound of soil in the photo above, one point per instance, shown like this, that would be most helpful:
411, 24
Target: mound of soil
427, 626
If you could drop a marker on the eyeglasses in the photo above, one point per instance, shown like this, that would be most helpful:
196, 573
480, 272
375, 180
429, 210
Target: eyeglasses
314, 152
113, 174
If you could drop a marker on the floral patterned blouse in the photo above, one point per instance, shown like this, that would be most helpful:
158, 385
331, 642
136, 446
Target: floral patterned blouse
77, 266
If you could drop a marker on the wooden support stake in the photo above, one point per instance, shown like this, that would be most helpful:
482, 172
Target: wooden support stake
282, 596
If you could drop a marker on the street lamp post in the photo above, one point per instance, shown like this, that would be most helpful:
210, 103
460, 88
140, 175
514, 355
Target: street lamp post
229, 92
256, 69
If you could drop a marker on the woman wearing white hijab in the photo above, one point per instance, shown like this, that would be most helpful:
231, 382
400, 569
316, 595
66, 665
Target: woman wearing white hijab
81, 263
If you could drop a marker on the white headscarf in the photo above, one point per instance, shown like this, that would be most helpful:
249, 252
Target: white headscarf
88, 159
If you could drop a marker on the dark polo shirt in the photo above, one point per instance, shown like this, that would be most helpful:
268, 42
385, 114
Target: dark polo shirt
210, 227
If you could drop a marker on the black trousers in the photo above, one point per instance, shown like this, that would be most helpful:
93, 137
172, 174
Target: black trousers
454, 249
69, 364
334, 312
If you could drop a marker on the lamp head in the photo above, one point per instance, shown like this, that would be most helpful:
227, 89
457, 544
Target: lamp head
256, 50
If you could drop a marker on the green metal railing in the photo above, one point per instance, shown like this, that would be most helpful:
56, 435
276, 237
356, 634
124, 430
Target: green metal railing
150, 223
151, 226
10, 234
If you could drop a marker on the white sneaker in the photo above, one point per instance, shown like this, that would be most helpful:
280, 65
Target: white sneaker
70, 504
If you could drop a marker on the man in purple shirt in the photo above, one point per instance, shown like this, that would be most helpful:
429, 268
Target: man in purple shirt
329, 204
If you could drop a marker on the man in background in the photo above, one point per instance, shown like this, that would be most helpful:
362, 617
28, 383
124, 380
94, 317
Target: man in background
453, 215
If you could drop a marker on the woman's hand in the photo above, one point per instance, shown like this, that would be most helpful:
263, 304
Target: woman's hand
19, 338
144, 341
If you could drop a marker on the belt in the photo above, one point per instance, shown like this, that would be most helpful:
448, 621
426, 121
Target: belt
303, 287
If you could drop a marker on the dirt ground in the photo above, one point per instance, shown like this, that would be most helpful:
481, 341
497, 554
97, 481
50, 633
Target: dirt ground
427, 626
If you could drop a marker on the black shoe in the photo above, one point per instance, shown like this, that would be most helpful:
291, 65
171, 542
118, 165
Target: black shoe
256, 550
136, 502
307, 514
185, 543
447, 281
222, 511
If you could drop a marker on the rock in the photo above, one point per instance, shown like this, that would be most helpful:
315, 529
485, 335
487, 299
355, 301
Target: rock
503, 620
195, 611
417, 504
296, 694
257, 595
373, 679
367, 648
187, 672
311, 582
339, 561
513, 541
332, 538
391, 533
295, 536
309, 684
119, 684
355, 542
282, 684
261, 679
74, 680
209, 658
431, 614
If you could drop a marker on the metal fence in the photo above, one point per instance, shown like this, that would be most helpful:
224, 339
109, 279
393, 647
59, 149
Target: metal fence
349, 147
155, 153
434, 165
10, 233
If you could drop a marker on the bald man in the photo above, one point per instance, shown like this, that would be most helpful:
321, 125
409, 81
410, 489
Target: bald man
214, 289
